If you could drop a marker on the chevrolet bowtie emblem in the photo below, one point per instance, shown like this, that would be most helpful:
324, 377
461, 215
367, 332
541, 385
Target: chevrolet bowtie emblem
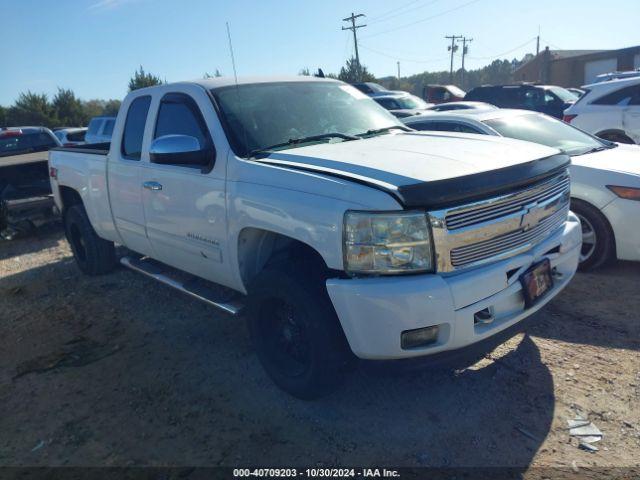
532, 216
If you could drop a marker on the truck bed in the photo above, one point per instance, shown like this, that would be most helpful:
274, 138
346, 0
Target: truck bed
90, 148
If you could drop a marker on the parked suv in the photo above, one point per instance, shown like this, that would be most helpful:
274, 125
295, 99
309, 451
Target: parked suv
100, 130
547, 99
610, 110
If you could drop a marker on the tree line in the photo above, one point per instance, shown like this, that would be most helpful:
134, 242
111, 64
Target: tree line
65, 109
496, 73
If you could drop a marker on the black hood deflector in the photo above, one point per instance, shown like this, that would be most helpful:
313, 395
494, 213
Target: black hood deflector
449, 192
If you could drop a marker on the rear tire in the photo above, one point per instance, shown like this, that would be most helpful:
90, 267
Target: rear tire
598, 242
295, 331
93, 255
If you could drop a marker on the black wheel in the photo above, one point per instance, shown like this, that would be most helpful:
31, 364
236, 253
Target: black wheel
93, 255
296, 333
617, 137
598, 243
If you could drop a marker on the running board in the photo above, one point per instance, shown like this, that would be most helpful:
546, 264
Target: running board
207, 292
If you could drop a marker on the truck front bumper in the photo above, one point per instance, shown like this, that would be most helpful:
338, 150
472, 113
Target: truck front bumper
375, 311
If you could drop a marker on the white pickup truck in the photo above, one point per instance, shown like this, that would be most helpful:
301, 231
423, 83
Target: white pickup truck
339, 229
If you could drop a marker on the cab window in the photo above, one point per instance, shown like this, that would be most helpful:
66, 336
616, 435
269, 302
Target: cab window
134, 128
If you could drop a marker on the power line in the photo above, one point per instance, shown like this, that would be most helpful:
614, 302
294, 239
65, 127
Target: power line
375, 18
505, 53
419, 7
353, 28
395, 57
423, 20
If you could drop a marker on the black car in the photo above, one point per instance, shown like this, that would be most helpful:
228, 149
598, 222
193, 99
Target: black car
370, 88
547, 99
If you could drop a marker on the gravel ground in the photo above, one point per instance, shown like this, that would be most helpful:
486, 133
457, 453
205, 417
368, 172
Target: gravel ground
118, 370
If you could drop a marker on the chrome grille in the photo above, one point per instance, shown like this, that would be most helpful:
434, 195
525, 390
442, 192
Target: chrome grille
513, 243
499, 227
467, 216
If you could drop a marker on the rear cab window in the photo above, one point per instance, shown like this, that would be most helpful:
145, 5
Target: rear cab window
94, 126
108, 127
133, 134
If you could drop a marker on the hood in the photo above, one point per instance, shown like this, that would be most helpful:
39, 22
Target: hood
427, 168
622, 159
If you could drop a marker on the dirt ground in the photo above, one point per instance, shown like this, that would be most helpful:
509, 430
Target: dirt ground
118, 371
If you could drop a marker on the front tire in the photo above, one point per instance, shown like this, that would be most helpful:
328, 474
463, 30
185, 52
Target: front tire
598, 243
93, 255
295, 331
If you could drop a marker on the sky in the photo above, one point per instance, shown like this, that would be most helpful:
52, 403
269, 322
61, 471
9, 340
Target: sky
94, 46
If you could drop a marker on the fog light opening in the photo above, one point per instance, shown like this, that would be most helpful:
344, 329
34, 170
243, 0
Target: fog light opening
484, 316
420, 337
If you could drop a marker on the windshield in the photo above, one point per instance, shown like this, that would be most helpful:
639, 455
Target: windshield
410, 102
265, 114
563, 94
547, 131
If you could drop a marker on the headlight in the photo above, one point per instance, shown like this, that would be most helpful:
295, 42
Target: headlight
387, 243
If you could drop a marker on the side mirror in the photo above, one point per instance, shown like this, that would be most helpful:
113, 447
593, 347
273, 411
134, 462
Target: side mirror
179, 150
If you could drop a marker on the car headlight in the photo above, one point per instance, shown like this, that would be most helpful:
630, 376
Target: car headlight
387, 243
629, 193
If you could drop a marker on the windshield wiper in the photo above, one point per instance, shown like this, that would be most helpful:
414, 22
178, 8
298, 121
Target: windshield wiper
593, 150
298, 141
377, 131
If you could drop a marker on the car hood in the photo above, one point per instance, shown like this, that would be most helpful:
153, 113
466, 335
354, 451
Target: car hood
622, 159
427, 168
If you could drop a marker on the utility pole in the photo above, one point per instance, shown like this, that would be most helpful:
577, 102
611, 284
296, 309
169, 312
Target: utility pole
465, 50
353, 28
452, 48
538, 42
398, 70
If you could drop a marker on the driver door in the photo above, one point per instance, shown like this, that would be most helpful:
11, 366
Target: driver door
184, 205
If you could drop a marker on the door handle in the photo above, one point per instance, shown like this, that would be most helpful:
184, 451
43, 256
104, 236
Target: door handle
155, 186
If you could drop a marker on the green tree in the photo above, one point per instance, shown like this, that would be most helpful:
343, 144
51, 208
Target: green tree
67, 109
304, 72
111, 107
143, 79
350, 73
3, 116
31, 109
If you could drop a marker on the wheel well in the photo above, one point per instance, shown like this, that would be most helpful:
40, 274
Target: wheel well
258, 248
69, 197
597, 211
613, 131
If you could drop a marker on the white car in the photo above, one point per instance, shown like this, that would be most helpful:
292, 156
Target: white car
100, 130
605, 176
609, 110
343, 231
71, 136
449, 106
402, 104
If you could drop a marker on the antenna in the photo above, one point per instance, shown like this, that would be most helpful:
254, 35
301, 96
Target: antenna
235, 76
233, 58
